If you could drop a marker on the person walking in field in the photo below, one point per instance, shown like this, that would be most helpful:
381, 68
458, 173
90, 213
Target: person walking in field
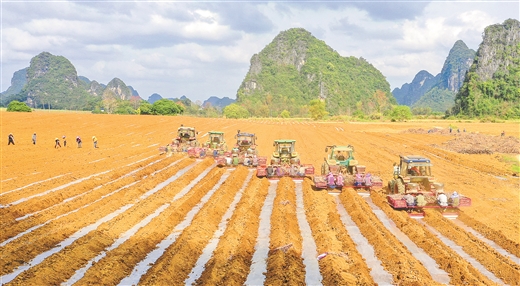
34, 138
11, 139
94, 139
64, 141
78, 140
57, 143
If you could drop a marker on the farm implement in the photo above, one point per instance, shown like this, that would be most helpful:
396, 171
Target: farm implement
340, 170
414, 188
285, 162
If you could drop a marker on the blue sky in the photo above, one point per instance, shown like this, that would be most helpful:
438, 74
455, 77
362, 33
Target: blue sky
203, 48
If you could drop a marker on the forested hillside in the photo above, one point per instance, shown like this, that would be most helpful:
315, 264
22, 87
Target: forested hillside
492, 85
296, 68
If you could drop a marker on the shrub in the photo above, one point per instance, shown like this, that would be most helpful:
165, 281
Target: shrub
17, 106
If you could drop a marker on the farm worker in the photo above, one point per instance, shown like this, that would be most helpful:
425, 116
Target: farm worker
94, 139
235, 159
503, 134
358, 181
228, 161
34, 138
57, 142
64, 141
339, 180
11, 139
246, 161
396, 170
410, 200
255, 161
168, 150
415, 171
455, 200
442, 199
202, 153
368, 180
330, 180
78, 140
420, 200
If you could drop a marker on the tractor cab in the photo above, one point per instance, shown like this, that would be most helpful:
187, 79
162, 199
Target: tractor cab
245, 140
186, 133
284, 152
216, 137
341, 156
415, 169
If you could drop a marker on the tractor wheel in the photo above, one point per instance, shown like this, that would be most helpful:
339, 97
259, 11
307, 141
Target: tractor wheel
400, 186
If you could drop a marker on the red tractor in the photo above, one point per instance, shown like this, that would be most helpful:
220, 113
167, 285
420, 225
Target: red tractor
414, 188
285, 162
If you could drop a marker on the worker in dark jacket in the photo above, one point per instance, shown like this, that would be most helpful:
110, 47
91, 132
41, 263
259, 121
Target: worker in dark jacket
11, 139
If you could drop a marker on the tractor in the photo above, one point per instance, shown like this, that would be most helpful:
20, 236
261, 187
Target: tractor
216, 146
245, 149
285, 162
186, 141
412, 177
340, 169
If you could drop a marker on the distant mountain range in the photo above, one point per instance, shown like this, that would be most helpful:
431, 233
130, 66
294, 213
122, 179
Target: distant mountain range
52, 82
438, 92
295, 69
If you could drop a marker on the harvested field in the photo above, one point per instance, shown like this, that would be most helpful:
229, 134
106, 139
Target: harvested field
123, 214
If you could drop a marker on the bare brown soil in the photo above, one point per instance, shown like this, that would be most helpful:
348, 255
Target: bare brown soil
129, 143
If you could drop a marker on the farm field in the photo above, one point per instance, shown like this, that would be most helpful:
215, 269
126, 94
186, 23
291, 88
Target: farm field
124, 214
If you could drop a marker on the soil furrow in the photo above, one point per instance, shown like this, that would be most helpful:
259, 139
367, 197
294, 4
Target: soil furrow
232, 258
284, 262
343, 264
62, 264
500, 265
461, 272
176, 263
42, 239
395, 257
102, 192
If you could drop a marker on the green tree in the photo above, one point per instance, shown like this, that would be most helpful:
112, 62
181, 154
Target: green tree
400, 113
124, 107
317, 109
285, 114
145, 107
16, 106
235, 111
166, 107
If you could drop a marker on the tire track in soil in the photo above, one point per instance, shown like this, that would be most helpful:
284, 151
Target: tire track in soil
232, 259
395, 257
62, 265
30, 221
461, 272
503, 267
22, 250
284, 262
174, 266
343, 264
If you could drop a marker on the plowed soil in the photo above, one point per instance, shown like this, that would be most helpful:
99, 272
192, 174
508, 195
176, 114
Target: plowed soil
105, 209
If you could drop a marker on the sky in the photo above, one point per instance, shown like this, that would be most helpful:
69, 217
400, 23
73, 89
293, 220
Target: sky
203, 48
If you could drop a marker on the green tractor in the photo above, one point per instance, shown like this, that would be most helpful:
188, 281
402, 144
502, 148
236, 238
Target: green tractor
340, 159
216, 141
